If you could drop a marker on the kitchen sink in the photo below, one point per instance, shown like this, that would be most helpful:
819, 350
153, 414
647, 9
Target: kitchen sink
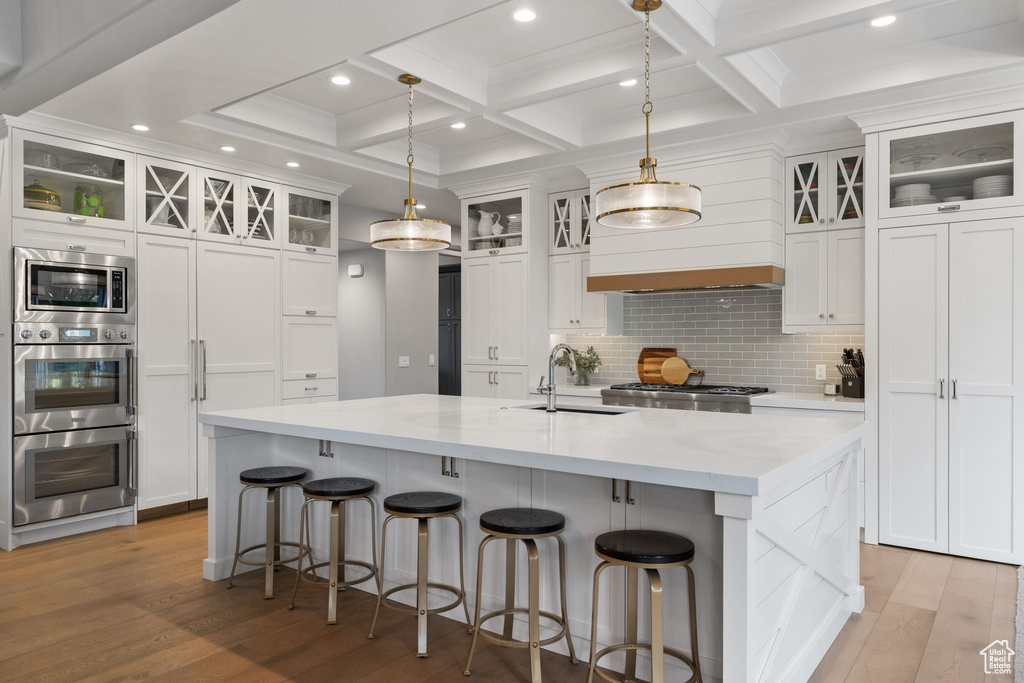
589, 410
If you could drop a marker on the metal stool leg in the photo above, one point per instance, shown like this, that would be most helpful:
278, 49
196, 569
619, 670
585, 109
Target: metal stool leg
693, 624
657, 637
342, 553
511, 545
422, 567
303, 535
565, 604
373, 540
462, 570
593, 620
337, 534
238, 535
533, 558
383, 564
479, 600
632, 590
272, 528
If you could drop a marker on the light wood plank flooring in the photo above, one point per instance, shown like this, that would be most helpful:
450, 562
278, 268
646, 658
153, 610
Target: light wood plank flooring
130, 603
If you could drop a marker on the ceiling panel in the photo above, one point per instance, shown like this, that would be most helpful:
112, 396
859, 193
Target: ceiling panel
316, 90
448, 138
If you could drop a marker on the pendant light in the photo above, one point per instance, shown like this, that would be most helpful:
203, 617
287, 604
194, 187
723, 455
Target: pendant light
650, 203
410, 232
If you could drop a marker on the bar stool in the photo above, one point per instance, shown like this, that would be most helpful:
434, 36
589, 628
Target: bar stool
338, 491
421, 506
526, 525
650, 551
270, 479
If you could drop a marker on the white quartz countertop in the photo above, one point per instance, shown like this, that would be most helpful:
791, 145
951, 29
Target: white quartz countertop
808, 401
745, 454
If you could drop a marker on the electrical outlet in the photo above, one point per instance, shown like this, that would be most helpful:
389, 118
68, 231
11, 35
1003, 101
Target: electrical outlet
403, 362
433, 362
819, 371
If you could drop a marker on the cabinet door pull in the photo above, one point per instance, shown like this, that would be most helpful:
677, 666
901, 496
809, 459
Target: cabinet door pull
577, 321
832, 219
76, 247
942, 385
831, 315
822, 221
496, 375
311, 250
310, 375
202, 366
953, 382
310, 312
495, 353
949, 207
821, 315
312, 388
490, 353
76, 219
615, 491
570, 321
194, 361
630, 500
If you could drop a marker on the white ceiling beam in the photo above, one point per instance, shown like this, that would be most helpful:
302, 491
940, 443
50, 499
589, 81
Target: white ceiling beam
542, 119
389, 119
697, 16
764, 71
439, 64
286, 116
10, 36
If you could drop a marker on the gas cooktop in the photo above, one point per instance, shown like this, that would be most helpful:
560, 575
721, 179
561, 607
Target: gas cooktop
692, 389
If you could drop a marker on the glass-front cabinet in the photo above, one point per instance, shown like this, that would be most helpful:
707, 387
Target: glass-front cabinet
167, 197
950, 166
569, 222
72, 183
495, 224
312, 222
260, 213
825, 191
220, 193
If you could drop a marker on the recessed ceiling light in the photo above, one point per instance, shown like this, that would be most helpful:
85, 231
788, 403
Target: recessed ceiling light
140, 127
340, 80
524, 15
227, 148
458, 126
883, 21
293, 164
626, 84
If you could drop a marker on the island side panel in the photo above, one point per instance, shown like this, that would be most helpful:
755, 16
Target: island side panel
791, 571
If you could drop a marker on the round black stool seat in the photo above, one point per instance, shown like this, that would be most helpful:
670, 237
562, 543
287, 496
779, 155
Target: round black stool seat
267, 476
339, 487
644, 546
522, 521
422, 503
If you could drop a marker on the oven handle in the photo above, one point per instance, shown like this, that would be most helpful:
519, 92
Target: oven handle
133, 462
133, 371
202, 368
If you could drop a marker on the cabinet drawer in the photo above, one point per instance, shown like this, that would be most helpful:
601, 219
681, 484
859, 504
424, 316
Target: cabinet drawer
72, 237
310, 285
310, 348
310, 388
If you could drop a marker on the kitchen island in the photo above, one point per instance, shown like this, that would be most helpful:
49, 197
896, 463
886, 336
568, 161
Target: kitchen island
770, 502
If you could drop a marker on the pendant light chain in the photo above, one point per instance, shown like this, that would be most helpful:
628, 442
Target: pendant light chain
409, 159
648, 105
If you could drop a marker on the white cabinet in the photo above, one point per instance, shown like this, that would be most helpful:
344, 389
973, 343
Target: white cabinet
951, 312
221, 193
825, 191
310, 348
494, 310
496, 224
167, 197
950, 166
569, 225
824, 281
571, 308
310, 284
261, 213
494, 381
312, 222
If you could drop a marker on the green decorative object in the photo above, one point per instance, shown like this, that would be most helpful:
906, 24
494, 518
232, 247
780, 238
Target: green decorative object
587, 363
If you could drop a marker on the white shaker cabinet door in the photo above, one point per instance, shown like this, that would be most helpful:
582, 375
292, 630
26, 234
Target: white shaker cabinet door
913, 387
478, 381
562, 292
167, 387
310, 348
477, 305
509, 324
510, 382
846, 277
593, 306
806, 293
986, 393
310, 284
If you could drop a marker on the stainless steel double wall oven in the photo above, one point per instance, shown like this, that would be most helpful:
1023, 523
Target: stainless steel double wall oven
75, 380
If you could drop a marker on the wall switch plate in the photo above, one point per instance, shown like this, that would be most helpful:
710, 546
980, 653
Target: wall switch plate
433, 362
819, 371
403, 362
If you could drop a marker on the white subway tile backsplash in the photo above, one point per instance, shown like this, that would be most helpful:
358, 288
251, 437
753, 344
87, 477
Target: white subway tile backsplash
738, 343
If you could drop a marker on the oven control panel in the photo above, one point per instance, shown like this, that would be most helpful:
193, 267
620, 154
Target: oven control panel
71, 333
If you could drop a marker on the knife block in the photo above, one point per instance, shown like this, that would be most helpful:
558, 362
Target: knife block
853, 387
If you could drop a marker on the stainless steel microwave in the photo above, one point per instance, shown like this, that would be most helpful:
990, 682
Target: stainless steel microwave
68, 286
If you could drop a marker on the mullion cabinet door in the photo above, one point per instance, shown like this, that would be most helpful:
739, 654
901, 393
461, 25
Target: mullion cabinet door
805, 193
167, 198
561, 233
846, 188
221, 195
261, 215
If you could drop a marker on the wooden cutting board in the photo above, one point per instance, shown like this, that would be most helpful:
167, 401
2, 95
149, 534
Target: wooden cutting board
677, 371
648, 366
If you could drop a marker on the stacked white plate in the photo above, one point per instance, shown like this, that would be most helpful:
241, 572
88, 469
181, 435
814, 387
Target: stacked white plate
914, 194
515, 226
993, 186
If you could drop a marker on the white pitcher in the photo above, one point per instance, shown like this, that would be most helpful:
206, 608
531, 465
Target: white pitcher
487, 221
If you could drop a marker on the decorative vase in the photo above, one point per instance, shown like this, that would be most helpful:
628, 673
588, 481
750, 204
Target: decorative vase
582, 378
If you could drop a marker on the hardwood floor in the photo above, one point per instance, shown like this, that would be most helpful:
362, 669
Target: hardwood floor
130, 603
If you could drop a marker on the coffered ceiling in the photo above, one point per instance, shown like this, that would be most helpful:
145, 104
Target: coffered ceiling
542, 96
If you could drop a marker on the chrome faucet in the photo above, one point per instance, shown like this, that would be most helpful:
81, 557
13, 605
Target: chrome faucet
549, 390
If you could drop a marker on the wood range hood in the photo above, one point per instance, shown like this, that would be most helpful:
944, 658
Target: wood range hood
742, 277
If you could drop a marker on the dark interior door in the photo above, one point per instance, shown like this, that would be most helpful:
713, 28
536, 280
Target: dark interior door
449, 331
